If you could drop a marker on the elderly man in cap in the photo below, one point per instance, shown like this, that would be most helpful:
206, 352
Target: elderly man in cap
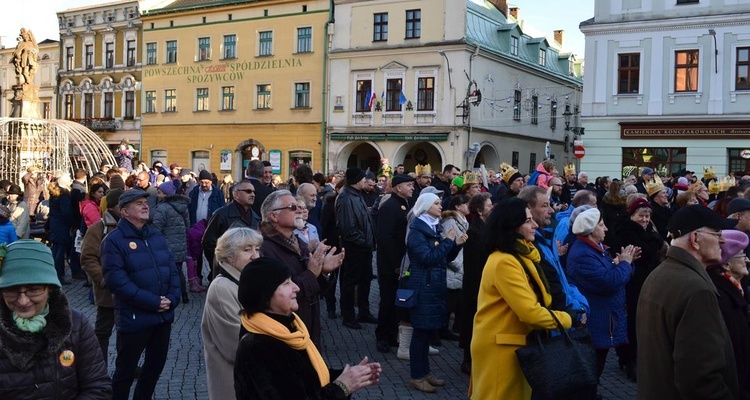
684, 350
205, 199
141, 273
646, 175
358, 239
511, 185
391, 238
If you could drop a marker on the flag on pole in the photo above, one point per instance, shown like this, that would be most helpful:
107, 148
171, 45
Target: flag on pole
368, 100
372, 100
401, 99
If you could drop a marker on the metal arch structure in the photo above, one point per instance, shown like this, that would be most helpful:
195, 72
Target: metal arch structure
53, 146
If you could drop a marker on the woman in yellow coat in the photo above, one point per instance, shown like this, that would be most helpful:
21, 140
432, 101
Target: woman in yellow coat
508, 306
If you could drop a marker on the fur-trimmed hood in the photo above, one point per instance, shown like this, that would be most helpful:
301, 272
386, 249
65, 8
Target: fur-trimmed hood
614, 200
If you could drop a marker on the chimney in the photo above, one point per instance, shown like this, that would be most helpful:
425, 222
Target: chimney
514, 12
559, 36
501, 5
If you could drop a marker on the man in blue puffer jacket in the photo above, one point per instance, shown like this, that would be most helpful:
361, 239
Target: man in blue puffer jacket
140, 271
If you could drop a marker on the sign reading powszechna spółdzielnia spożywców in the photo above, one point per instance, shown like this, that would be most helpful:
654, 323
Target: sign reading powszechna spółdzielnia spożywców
224, 72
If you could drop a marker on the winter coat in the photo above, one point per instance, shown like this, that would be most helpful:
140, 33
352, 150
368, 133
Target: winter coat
60, 216
684, 349
261, 192
543, 179
31, 365
19, 216
429, 254
613, 211
268, 369
194, 237
139, 268
78, 192
455, 272
353, 221
508, 309
651, 244
32, 190
215, 201
90, 212
224, 218
603, 283
171, 219
329, 231
564, 294
475, 256
391, 236
91, 258
660, 217
124, 159
8, 233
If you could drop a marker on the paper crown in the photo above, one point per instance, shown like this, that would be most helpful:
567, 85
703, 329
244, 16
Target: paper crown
570, 168
654, 186
423, 170
725, 183
471, 178
504, 167
509, 173
714, 187
709, 173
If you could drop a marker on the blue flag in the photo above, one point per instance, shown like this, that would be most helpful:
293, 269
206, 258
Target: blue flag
402, 99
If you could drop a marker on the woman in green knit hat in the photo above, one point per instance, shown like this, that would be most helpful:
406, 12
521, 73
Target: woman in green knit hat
47, 350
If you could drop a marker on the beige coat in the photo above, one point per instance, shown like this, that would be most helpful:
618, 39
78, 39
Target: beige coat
19, 216
91, 261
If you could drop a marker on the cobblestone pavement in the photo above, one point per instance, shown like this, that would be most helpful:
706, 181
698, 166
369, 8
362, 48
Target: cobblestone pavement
184, 375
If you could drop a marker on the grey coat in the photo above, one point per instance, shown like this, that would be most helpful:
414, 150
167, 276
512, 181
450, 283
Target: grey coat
172, 220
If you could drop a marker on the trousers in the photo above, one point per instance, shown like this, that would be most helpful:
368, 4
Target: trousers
155, 342
356, 273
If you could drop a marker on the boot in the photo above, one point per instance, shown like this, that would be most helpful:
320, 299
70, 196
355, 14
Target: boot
422, 385
195, 285
404, 342
183, 288
434, 381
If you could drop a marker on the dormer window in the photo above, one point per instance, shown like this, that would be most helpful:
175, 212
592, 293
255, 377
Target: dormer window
543, 57
514, 45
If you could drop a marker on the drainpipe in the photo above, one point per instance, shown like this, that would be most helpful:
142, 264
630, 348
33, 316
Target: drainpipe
324, 114
468, 108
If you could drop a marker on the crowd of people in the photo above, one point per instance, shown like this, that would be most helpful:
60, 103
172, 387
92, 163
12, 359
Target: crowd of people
654, 268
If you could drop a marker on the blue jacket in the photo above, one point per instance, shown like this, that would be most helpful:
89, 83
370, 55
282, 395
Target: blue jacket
8, 233
603, 284
138, 269
548, 250
215, 202
60, 218
429, 254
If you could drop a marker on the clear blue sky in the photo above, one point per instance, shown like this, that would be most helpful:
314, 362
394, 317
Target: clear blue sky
544, 15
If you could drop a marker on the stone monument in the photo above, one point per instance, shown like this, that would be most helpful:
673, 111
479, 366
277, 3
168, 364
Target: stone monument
26, 61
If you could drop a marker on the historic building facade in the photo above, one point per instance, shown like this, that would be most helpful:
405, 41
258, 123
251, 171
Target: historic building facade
669, 92
230, 81
436, 82
45, 78
100, 70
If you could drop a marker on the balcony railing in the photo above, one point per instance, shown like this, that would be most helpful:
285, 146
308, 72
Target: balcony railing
97, 124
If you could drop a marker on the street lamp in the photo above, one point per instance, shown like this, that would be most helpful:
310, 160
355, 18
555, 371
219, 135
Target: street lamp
566, 116
450, 81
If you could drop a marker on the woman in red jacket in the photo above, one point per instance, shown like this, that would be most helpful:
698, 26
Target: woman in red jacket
89, 207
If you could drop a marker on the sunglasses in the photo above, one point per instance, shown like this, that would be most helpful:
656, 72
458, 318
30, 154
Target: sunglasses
248, 191
291, 207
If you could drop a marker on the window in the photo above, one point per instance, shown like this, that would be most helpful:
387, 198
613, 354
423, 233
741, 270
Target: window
664, 160
264, 97
227, 98
532, 162
628, 73
129, 105
150, 101
88, 105
553, 115
542, 57
740, 166
68, 106
688, 1
204, 49
413, 24
686, 71
171, 51
266, 43
517, 105
514, 159
69, 58
89, 56
304, 40
364, 96
109, 54
46, 111
150, 53
743, 69
302, 95
230, 46
170, 100
393, 95
131, 53
108, 105
534, 110
201, 99
514, 45
426, 94
380, 27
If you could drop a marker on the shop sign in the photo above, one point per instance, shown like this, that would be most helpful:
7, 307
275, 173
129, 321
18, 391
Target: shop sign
274, 157
685, 130
375, 137
223, 72
745, 154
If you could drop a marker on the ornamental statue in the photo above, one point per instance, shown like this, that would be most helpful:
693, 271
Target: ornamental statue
26, 57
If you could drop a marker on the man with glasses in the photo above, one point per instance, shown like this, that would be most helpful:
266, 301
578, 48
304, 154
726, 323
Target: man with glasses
143, 183
684, 350
309, 271
238, 213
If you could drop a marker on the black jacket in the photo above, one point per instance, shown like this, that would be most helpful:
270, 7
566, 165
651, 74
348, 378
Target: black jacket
660, 217
353, 220
224, 218
329, 231
261, 192
392, 233
475, 257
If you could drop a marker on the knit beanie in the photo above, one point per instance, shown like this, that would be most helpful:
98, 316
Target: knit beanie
168, 188
258, 282
458, 181
113, 197
116, 182
576, 212
27, 262
638, 203
424, 202
354, 175
204, 174
586, 222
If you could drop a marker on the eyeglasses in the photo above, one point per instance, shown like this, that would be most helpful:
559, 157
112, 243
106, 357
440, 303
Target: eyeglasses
248, 191
291, 207
717, 234
30, 292
743, 256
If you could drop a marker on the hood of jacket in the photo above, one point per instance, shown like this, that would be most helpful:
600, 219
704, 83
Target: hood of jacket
614, 200
541, 170
178, 201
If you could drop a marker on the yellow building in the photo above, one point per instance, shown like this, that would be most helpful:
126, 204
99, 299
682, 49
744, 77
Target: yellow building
228, 81
45, 78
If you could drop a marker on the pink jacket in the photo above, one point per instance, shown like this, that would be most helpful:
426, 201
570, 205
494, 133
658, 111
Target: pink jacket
543, 179
90, 212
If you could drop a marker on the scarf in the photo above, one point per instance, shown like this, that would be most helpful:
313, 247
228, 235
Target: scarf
733, 281
431, 221
527, 250
34, 324
260, 323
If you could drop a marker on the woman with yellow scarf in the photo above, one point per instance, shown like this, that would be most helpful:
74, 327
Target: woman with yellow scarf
276, 358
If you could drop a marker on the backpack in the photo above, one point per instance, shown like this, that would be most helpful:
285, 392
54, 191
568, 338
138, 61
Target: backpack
533, 178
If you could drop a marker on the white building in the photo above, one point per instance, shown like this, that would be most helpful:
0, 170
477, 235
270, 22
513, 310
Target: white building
667, 86
460, 82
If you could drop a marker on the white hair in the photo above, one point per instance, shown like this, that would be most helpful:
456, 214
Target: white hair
582, 174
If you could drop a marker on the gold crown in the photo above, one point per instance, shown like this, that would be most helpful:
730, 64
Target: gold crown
654, 186
423, 170
508, 174
570, 168
725, 183
714, 187
504, 167
709, 173
471, 178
